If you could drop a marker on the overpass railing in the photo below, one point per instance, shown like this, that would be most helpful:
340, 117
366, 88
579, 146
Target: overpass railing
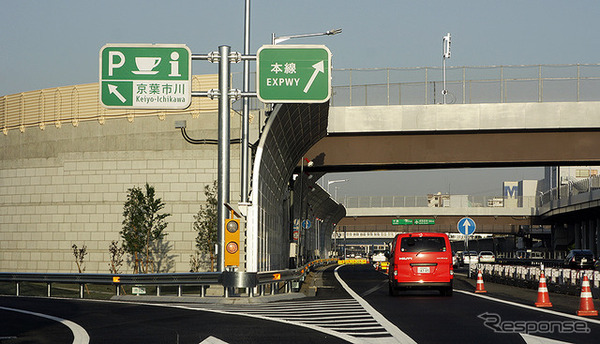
467, 85
271, 280
351, 87
570, 188
458, 201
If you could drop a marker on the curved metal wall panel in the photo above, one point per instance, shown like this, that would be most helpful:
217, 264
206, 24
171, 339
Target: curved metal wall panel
290, 131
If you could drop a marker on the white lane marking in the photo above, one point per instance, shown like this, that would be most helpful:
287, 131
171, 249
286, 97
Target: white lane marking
80, 336
529, 339
213, 340
543, 310
400, 336
312, 327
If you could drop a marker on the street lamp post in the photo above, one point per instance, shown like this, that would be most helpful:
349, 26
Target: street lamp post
335, 181
275, 40
445, 55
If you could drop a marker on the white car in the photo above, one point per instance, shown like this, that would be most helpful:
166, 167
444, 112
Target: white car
469, 257
486, 257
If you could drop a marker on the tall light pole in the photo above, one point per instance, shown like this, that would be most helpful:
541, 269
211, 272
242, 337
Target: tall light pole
335, 181
445, 55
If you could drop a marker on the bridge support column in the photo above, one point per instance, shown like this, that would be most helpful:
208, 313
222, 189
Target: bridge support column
577, 231
597, 237
591, 234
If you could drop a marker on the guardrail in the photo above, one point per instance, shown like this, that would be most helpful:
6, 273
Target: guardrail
560, 280
228, 279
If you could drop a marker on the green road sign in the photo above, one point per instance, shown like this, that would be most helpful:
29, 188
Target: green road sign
402, 221
413, 221
293, 74
146, 76
424, 222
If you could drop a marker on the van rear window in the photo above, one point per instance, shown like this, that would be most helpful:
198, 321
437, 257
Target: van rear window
423, 244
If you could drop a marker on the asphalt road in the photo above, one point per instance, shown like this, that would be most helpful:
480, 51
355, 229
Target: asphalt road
112, 322
351, 305
465, 317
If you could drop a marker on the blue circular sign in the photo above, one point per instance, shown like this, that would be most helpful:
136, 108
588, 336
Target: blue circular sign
466, 226
306, 224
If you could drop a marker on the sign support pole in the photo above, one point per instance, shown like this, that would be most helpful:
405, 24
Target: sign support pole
245, 160
223, 167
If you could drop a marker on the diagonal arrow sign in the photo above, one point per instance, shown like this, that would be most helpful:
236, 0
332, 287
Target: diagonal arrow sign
113, 89
319, 68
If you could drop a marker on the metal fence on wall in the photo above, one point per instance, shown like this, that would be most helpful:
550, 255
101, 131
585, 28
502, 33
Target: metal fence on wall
466, 201
466, 85
351, 87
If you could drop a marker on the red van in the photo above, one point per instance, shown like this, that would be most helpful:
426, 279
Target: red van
421, 261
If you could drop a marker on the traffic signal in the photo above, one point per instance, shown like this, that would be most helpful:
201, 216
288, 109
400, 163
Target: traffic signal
232, 242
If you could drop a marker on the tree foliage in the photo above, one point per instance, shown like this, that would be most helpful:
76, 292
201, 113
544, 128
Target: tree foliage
205, 223
142, 224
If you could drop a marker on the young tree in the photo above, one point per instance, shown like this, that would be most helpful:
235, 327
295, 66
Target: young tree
205, 224
143, 225
79, 254
116, 257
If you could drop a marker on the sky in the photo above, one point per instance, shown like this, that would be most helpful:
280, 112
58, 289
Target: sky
56, 43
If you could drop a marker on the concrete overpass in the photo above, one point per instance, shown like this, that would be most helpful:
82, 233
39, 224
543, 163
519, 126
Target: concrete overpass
361, 138
497, 220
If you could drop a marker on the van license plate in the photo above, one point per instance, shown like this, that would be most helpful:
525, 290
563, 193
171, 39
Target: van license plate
423, 269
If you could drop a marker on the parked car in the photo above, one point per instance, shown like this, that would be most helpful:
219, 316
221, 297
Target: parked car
486, 257
421, 260
580, 259
470, 257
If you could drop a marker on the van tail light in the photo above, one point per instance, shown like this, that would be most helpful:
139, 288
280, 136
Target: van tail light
395, 272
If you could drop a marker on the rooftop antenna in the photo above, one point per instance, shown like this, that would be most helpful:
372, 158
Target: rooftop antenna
445, 55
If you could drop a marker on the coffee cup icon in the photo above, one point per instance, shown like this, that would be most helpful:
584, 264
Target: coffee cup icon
146, 65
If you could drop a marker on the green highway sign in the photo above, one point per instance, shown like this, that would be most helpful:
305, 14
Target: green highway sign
413, 221
402, 221
146, 76
293, 74
424, 221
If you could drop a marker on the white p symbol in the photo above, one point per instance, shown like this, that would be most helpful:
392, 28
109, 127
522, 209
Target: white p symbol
111, 61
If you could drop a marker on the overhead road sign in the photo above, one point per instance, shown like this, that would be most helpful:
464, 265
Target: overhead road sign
413, 221
466, 226
146, 76
293, 74
402, 222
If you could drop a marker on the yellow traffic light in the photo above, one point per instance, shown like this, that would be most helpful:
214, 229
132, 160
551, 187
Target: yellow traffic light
232, 242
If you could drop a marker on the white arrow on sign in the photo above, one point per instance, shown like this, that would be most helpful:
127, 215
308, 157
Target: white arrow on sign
319, 68
467, 224
113, 89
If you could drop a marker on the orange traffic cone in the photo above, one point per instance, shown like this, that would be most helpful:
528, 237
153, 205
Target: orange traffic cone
480, 288
586, 303
543, 299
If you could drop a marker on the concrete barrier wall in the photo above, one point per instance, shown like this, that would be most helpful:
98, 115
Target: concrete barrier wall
65, 186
